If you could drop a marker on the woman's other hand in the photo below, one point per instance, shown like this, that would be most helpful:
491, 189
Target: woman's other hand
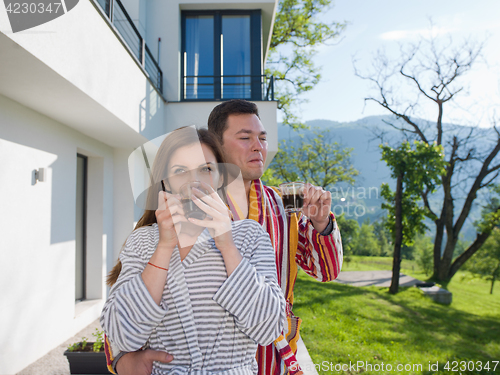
219, 226
218, 221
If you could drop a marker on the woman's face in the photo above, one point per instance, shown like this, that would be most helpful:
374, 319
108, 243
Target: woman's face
192, 163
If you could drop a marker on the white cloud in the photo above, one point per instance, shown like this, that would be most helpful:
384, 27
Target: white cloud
414, 34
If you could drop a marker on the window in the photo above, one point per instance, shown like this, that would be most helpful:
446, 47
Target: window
221, 55
81, 228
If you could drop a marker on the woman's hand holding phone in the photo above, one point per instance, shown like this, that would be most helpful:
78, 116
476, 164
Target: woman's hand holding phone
169, 217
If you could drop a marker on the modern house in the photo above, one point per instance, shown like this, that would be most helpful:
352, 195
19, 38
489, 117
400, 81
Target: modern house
77, 95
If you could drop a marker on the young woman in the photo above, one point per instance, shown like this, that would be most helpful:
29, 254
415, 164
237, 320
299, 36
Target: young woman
204, 291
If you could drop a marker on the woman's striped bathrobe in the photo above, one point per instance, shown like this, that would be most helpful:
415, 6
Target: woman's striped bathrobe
209, 322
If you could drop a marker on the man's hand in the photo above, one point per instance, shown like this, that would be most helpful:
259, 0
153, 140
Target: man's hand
141, 362
317, 205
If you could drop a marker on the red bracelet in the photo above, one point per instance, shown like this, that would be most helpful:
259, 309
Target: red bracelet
166, 269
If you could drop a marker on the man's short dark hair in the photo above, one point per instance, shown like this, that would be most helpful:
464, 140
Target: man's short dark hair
217, 121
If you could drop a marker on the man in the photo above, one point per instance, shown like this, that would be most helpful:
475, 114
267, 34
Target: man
311, 241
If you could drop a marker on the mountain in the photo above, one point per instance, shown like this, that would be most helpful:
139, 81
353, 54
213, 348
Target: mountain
364, 197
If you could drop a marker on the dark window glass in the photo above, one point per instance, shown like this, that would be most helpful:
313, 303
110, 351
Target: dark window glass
222, 55
199, 57
236, 62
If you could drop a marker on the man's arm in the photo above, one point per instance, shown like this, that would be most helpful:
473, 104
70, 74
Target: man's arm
320, 256
319, 248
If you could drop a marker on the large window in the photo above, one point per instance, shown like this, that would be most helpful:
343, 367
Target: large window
221, 55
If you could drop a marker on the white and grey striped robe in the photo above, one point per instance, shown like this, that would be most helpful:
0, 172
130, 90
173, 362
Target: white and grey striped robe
209, 322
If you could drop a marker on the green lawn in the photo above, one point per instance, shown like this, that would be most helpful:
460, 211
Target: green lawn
343, 324
362, 263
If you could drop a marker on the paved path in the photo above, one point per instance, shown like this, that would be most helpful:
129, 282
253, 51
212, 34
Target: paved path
304, 359
374, 278
55, 362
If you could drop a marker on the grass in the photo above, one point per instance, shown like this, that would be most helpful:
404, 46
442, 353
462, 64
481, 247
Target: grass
343, 324
363, 263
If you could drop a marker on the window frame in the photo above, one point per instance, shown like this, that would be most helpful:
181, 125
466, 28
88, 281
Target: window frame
255, 50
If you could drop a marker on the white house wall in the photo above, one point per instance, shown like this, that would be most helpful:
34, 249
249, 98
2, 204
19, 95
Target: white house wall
37, 245
136, 9
76, 70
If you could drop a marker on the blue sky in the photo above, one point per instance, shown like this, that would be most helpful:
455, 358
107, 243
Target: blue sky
384, 24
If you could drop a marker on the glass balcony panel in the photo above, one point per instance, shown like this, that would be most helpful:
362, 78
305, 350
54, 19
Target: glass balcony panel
126, 30
133, 39
199, 87
105, 5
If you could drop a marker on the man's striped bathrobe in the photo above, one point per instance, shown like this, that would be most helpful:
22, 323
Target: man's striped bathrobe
296, 244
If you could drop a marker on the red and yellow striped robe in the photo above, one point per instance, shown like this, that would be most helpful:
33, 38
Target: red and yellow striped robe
296, 243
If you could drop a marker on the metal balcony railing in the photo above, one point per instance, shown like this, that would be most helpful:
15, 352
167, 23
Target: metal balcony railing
260, 87
119, 18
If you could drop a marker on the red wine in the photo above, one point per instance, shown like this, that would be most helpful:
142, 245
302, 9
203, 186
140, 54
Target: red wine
191, 210
293, 202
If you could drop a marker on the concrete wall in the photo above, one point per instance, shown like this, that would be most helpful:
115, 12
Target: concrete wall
37, 245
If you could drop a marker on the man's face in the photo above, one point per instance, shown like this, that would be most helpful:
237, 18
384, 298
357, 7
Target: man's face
245, 144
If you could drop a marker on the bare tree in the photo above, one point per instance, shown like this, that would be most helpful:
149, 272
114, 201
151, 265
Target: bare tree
430, 73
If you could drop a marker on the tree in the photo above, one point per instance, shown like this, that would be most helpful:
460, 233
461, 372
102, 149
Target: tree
316, 159
430, 73
296, 35
350, 232
415, 169
366, 242
383, 235
270, 178
486, 262
422, 248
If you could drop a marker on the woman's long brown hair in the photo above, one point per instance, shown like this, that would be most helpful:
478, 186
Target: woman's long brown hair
178, 138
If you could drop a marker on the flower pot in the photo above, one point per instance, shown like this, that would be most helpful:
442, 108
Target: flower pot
87, 362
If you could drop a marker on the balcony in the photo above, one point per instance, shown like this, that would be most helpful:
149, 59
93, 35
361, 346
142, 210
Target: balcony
214, 88
118, 17
79, 72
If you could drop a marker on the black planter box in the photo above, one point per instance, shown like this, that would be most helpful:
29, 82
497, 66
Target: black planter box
425, 285
84, 363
